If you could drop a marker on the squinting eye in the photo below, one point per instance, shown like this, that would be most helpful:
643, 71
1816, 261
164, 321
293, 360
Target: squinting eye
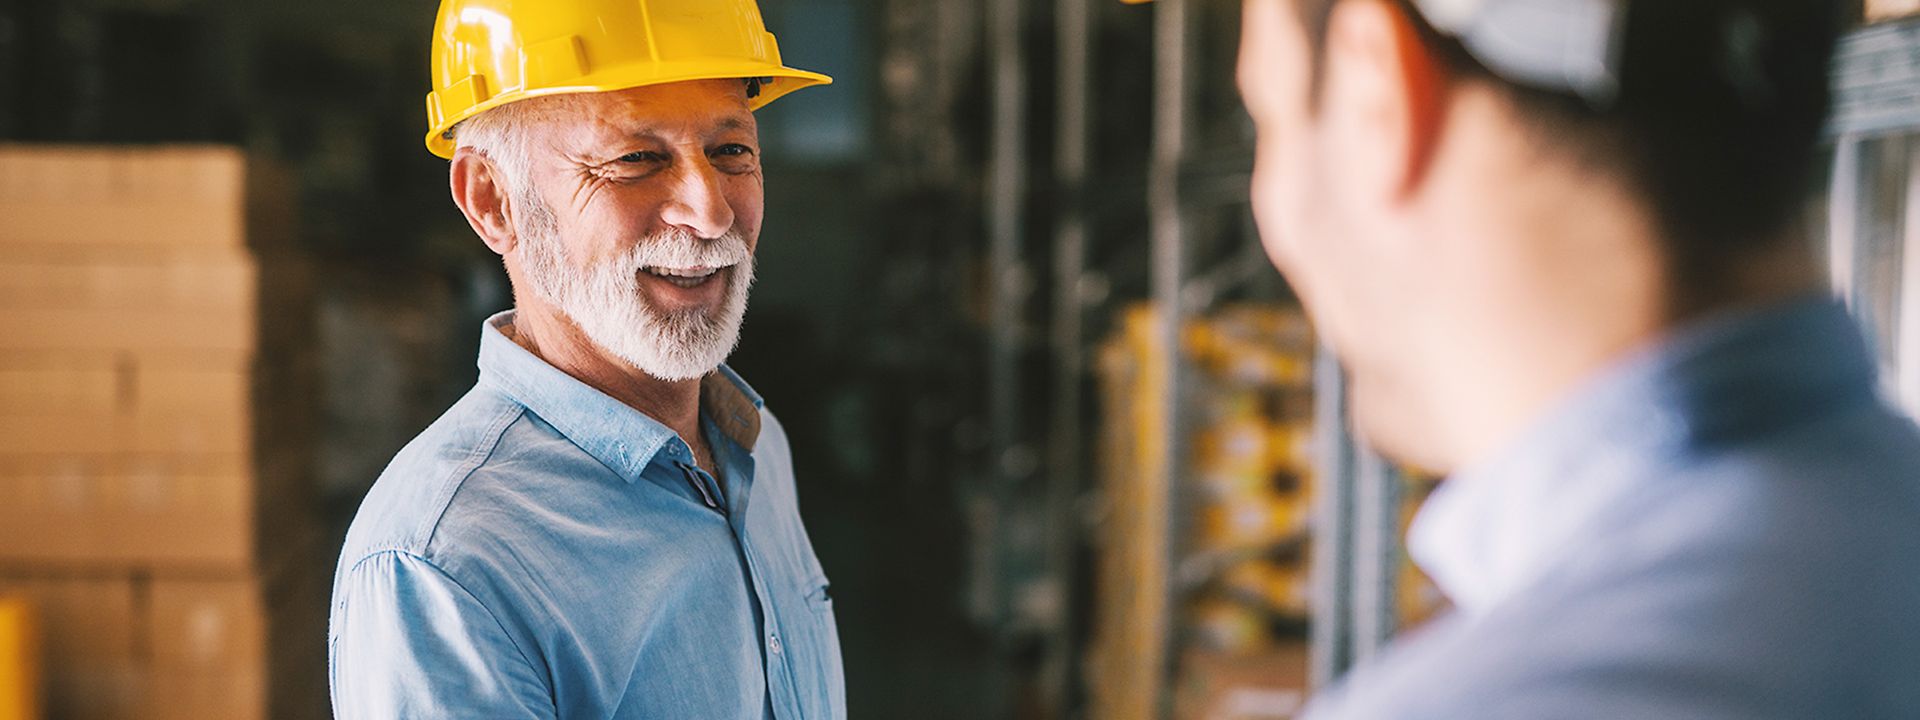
735, 149
641, 156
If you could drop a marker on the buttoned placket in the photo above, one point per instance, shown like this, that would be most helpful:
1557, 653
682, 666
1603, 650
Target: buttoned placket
738, 466
703, 484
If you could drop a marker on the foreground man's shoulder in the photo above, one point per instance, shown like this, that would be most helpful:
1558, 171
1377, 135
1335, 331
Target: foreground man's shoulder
1628, 657
1829, 498
1772, 583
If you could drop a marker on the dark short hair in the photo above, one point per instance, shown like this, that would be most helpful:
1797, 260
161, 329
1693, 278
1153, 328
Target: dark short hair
1722, 161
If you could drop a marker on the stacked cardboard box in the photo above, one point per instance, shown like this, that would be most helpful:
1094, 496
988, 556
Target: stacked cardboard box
153, 499
1221, 686
1252, 416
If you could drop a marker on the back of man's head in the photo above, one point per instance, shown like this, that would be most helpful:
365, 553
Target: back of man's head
1481, 202
1714, 123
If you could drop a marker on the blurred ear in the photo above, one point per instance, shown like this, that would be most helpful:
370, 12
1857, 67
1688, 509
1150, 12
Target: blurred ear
1384, 97
482, 195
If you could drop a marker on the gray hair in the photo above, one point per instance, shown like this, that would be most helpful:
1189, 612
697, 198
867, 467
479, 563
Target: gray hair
500, 134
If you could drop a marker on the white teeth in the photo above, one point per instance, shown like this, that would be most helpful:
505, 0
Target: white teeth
696, 272
692, 277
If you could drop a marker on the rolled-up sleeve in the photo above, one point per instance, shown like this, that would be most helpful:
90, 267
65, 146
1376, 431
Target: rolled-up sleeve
408, 641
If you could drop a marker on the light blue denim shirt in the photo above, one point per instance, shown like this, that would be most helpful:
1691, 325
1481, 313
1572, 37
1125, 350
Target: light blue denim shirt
1726, 526
545, 551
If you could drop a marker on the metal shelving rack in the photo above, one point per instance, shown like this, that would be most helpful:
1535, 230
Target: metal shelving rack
1167, 237
1355, 548
1180, 185
1871, 229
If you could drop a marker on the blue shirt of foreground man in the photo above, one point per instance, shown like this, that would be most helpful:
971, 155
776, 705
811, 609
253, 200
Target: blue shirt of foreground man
606, 525
1557, 245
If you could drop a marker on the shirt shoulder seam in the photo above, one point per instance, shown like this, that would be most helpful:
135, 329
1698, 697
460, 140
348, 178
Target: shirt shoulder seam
476, 458
435, 567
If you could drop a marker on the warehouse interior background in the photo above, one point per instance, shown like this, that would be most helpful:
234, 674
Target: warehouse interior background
974, 238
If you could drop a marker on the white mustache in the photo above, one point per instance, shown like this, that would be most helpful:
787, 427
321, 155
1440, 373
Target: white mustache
682, 249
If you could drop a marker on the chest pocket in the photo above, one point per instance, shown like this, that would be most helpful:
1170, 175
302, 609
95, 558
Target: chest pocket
820, 596
814, 642
803, 601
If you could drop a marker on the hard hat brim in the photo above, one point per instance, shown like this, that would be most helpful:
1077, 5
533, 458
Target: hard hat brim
784, 80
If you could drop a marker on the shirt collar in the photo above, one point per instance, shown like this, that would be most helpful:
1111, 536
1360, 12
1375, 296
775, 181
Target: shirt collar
1498, 526
619, 436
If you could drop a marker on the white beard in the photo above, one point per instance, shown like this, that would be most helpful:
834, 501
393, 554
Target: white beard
606, 302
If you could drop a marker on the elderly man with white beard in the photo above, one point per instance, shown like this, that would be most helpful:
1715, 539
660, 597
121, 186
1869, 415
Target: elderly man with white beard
606, 525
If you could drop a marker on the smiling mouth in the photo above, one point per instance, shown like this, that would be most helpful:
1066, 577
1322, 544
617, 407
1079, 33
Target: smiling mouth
692, 277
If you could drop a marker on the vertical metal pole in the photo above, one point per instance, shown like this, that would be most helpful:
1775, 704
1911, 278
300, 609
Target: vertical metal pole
1007, 282
1170, 88
1073, 26
13, 74
1329, 651
1376, 553
1909, 328
1843, 229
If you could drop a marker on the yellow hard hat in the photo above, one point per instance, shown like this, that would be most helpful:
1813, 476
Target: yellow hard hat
487, 53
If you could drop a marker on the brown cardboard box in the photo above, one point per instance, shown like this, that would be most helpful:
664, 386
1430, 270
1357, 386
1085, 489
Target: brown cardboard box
92, 384
127, 511
239, 646
169, 513
208, 385
134, 329
90, 632
183, 476
61, 299
1265, 686
220, 432
155, 397
79, 196
45, 386
163, 646
165, 484
209, 649
154, 388
115, 278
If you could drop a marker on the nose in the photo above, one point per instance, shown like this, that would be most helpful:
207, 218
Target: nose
698, 204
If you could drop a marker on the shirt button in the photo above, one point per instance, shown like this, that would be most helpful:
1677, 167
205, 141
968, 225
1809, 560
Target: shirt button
773, 644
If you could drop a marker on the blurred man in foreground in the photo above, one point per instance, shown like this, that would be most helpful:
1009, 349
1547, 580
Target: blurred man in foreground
1556, 243
606, 525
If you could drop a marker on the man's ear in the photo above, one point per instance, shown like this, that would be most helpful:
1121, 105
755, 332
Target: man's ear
1386, 92
482, 195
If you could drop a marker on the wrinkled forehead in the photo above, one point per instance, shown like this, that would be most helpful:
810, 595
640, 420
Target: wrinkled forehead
674, 112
